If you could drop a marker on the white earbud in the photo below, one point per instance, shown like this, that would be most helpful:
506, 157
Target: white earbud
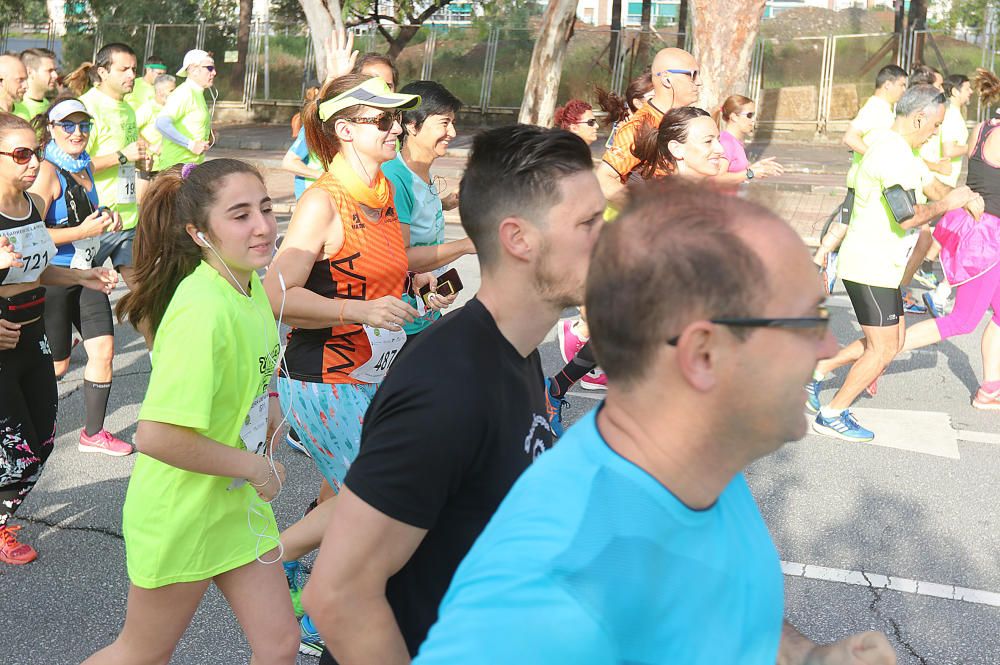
201, 237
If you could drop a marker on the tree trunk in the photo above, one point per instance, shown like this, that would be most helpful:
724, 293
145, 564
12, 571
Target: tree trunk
917, 21
322, 16
399, 42
238, 72
682, 22
645, 29
542, 87
725, 32
616, 32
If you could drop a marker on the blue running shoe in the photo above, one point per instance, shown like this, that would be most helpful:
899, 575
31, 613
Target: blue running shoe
553, 409
310, 643
932, 307
293, 573
292, 439
812, 396
910, 304
926, 278
843, 427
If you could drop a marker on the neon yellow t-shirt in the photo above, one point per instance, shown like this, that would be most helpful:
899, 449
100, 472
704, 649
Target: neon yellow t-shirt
188, 112
952, 129
28, 108
213, 355
876, 248
875, 114
113, 129
141, 93
145, 118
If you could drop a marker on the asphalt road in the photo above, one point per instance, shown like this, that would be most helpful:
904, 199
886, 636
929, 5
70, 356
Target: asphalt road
919, 506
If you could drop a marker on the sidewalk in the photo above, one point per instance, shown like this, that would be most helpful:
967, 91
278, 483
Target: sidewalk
811, 188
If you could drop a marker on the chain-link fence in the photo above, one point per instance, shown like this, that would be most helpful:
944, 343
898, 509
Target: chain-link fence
803, 81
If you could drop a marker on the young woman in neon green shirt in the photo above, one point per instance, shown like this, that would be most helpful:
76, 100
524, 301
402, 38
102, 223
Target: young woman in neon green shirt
205, 232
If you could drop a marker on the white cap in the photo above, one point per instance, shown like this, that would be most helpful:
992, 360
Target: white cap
66, 108
192, 57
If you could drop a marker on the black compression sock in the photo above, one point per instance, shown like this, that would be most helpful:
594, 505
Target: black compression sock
576, 369
95, 399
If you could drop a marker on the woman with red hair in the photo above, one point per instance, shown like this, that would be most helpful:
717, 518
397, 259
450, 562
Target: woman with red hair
577, 116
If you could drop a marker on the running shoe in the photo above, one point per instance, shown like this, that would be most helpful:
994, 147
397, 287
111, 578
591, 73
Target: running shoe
812, 396
935, 310
292, 439
553, 409
12, 551
595, 379
569, 342
926, 278
104, 442
828, 273
910, 304
986, 401
843, 427
293, 574
310, 643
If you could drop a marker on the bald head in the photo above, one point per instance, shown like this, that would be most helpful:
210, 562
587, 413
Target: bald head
13, 79
676, 81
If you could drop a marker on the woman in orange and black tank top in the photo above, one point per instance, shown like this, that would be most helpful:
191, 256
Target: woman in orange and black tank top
341, 270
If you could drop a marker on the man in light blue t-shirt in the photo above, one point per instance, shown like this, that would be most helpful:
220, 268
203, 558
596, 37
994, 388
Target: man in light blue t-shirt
636, 539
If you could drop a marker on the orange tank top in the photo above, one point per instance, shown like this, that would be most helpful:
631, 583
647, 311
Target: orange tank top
371, 264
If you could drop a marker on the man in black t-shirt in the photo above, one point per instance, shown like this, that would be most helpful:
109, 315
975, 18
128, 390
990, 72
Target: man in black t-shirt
462, 412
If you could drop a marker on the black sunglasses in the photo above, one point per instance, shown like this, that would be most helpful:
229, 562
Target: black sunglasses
383, 122
23, 155
819, 324
590, 123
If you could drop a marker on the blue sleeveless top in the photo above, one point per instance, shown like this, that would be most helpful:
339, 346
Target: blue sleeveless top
58, 217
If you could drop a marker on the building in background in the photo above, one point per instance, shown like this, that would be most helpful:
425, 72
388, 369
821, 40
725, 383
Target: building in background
598, 12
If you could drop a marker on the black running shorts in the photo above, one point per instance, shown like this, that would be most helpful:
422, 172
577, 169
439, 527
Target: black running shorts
71, 307
875, 305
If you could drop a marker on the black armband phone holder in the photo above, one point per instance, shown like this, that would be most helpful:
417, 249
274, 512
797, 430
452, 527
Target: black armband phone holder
902, 202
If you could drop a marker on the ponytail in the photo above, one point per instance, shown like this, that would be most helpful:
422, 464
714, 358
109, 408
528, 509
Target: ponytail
164, 253
652, 145
616, 107
987, 85
321, 138
79, 80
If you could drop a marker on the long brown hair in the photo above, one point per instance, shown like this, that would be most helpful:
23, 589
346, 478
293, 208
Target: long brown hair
620, 108
164, 252
321, 138
652, 147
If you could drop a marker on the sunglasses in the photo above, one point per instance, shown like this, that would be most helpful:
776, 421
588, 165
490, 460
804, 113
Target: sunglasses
590, 123
818, 324
70, 127
23, 155
382, 122
748, 115
693, 73
209, 68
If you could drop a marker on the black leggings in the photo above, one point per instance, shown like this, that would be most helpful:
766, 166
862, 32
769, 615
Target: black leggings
68, 307
28, 398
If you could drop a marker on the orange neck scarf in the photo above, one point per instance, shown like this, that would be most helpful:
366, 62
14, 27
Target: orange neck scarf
377, 196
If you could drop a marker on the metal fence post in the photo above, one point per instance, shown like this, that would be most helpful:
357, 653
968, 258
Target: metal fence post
430, 45
98, 37
486, 89
267, 57
4, 33
826, 85
308, 63
148, 48
200, 38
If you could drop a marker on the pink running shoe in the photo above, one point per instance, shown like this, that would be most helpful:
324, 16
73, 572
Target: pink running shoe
104, 442
986, 401
595, 379
569, 343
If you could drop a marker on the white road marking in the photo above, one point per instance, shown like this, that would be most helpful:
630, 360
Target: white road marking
927, 432
978, 437
876, 581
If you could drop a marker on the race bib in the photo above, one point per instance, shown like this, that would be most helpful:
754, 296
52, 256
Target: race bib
254, 430
36, 248
126, 183
385, 347
84, 252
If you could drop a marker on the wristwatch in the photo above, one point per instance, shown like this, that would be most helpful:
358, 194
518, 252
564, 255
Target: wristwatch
749, 174
122, 159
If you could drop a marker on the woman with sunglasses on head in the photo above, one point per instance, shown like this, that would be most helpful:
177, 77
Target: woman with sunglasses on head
427, 130
340, 275
738, 113
28, 395
76, 221
577, 116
